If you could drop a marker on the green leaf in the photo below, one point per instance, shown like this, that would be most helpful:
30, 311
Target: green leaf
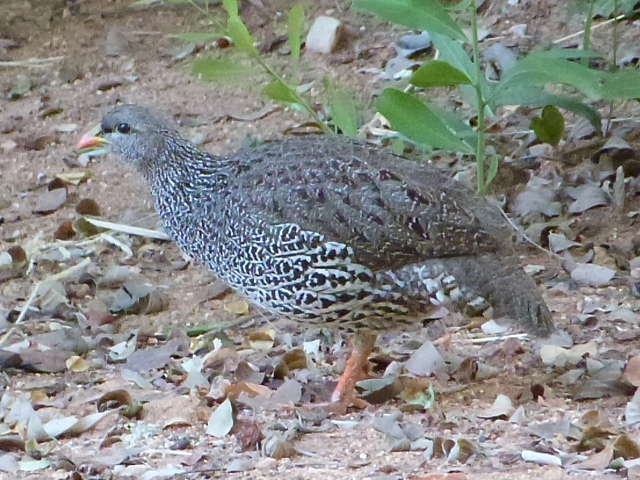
416, 121
240, 35
456, 124
452, 52
621, 85
196, 37
538, 97
427, 15
493, 169
607, 8
280, 92
437, 73
212, 69
231, 7
539, 71
343, 109
549, 127
296, 21
397, 146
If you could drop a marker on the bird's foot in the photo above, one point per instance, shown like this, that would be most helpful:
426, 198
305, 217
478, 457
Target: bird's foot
357, 369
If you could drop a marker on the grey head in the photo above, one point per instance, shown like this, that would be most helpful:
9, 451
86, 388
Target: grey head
140, 135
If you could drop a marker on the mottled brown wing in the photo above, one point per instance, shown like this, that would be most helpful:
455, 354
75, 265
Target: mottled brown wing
392, 211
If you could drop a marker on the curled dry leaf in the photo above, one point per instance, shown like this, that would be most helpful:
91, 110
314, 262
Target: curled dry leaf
380, 390
85, 228
65, 231
278, 446
239, 308
587, 197
141, 299
558, 243
250, 390
249, 435
294, 359
114, 399
77, 364
502, 407
13, 263
263, 340
87, 206
626, 447
617, 149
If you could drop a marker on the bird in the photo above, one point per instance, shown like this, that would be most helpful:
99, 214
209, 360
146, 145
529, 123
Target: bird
329, 231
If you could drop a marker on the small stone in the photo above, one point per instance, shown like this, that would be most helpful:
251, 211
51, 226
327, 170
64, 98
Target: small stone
323, 35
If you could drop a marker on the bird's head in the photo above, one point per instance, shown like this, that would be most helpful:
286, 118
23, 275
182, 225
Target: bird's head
138, 134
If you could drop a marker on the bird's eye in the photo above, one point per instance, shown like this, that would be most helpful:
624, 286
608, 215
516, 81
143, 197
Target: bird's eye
123, 128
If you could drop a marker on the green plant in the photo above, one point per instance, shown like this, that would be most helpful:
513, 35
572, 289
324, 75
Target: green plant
545, 79
341, 105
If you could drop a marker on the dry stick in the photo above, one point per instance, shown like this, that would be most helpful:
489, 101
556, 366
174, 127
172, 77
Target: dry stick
58, 276
519, 231
32, 62
581, 32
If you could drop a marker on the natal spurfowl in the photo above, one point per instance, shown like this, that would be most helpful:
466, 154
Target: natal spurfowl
329, 231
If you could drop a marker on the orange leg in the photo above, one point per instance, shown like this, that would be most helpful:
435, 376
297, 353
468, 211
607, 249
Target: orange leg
357, 369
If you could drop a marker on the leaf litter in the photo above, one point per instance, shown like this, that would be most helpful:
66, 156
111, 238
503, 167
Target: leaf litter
261, 372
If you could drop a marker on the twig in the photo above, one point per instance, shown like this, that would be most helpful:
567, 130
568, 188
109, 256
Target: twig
520, 232
58, 276
499, 338
31, 62
581, 32
128, 229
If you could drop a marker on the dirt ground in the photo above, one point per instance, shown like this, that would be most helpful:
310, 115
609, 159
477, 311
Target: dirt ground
73, 88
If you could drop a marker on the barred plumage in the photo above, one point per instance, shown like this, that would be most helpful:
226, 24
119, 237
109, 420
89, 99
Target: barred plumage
326, 230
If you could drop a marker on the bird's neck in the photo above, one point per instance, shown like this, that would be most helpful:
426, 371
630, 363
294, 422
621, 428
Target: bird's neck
186, 184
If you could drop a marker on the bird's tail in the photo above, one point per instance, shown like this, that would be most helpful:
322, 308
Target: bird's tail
473, 285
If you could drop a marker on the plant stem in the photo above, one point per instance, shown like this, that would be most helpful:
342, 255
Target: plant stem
480, 101
586, 38
272, 73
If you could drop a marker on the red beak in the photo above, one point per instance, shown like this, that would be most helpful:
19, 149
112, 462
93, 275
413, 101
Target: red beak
92, 143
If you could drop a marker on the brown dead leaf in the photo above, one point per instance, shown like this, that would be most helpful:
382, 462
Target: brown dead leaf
626, 447
252, 390
248, 434
294, 359
263, 340
114, 399
632, 371
65, 231
87, 206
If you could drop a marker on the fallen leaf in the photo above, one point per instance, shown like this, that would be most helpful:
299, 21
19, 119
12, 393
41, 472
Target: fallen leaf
221, 420
426, 361
589, 274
